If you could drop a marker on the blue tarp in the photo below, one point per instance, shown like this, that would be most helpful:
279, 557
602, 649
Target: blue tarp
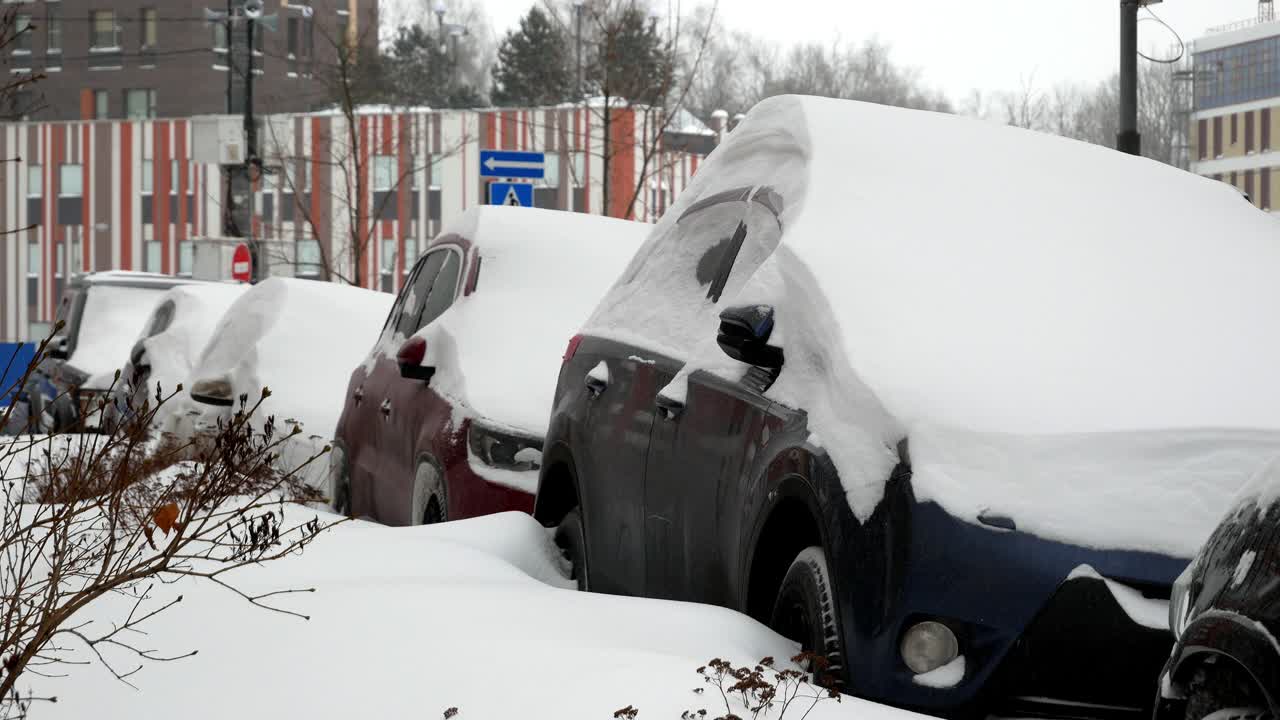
14, 359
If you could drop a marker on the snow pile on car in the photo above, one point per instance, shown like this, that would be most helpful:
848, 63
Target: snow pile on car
407, 622
498, 350
113, 316
990, 279
301, 339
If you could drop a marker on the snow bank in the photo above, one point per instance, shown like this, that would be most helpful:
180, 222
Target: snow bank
985, 278
113, 316
498, 350
406, 622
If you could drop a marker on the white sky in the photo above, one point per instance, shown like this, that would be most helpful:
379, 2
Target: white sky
958, 45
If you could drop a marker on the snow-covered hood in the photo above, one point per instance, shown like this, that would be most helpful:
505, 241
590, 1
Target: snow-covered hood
1163, 491
498, 351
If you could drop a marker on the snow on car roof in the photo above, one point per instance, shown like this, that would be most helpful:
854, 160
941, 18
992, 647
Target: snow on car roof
499, 349
113, 316
941, 271
300, 338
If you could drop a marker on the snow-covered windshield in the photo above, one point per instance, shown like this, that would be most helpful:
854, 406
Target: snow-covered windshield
113, 317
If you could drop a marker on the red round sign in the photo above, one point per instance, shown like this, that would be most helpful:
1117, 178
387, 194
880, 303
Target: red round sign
241, 264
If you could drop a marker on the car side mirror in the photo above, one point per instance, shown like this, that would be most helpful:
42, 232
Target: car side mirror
744, 336
58, 348
410, 357
136, 354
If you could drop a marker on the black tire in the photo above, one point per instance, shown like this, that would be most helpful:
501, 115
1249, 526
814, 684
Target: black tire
804, 611
1225, 690
433, 514
572, 542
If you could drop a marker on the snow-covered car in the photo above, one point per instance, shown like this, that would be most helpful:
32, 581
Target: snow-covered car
300, 339
172, 339
103, 313
445, 417
1225, 614
925, 394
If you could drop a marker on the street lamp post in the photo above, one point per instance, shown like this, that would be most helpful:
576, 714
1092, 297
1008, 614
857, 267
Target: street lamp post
1129, 140
449, 34
578, 7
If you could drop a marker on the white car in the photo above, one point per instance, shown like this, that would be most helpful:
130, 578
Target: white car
300, 338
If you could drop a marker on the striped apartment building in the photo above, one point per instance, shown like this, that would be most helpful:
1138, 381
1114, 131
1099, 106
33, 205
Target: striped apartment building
133, 195
1235, 124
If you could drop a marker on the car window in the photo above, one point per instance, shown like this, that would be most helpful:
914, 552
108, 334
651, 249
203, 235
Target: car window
415, 294
442, 290
161, 319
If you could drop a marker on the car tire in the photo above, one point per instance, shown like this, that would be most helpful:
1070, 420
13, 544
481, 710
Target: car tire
572, 541
429, 505
804, 611
1222, 692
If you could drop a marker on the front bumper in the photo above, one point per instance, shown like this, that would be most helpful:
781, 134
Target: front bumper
1082, 657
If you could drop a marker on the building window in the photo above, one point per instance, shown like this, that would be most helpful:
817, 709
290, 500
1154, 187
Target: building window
1248, 132
70, 180
148, 175
104, 33
35, 181
150, 29
388, 264
22, 35
1266, 129
139, 104
384, 172
153, 256
579, 160
551, 177
186, 257
308, 258
34, 260
53, 29
1217, 137
101, 105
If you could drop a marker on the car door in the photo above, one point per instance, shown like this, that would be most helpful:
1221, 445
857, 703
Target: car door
362, 424
707, 426
409, 406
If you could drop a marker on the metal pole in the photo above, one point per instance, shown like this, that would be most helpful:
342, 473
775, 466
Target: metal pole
251, 152
1128, 140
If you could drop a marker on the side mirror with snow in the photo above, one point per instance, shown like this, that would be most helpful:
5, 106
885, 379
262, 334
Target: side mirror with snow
744, 336
410, 357
58, 348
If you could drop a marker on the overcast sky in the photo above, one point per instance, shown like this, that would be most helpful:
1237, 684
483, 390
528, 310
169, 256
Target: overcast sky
962, 44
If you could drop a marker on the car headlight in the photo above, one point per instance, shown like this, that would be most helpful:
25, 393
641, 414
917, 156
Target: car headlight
929, 645
504, 450
1180, 602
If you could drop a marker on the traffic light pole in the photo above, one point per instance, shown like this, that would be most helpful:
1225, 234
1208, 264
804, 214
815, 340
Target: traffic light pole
1128, 140
251, 153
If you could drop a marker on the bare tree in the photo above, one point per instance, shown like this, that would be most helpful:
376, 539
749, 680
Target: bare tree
91, 517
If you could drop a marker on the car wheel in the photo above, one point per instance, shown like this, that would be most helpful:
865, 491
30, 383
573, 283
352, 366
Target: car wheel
339, 482
804, 611
572, 542
429, 506
1221, 692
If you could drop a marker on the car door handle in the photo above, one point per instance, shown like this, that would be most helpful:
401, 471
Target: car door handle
358, 395
669, 408
385, 408
595, 385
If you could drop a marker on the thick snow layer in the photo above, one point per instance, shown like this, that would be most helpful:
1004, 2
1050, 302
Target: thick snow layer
301, 339
113, 316
1263, 489
947, 676
980, 277
406, 622
1163, 491
498, 351
1145, 611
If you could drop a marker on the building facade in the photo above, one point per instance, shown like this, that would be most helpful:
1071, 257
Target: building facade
134, 195
1235, 123
144, 59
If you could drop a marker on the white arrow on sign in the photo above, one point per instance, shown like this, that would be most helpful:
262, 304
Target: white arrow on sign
512, 164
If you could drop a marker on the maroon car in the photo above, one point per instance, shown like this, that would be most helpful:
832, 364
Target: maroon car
445, 417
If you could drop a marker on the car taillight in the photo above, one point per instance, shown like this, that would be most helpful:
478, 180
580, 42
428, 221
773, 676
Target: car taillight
570, 351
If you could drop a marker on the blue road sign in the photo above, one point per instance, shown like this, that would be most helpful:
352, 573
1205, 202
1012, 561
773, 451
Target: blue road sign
14, 359
517, 194
511, 164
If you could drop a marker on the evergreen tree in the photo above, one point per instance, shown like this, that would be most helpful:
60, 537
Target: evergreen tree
420, 71
534, 64
634, 62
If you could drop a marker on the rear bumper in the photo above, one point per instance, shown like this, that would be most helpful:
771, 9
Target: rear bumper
1082, 657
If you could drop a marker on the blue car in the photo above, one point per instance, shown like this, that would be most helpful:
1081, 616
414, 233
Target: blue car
931, 397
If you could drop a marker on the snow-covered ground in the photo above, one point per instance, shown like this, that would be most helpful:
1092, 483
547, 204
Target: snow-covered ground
408, 622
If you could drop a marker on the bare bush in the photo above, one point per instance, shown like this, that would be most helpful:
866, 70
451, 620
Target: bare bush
126, 515
760, 690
